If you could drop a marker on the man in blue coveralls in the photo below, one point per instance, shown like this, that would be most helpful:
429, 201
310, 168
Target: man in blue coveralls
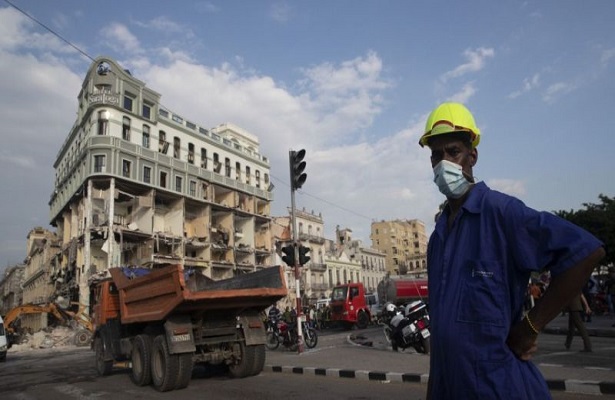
479, 259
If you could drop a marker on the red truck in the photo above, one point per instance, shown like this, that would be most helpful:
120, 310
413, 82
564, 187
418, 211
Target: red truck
349, 306
164, 322
402, 290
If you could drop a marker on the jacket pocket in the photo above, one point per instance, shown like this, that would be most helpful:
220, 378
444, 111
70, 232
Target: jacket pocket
482, 293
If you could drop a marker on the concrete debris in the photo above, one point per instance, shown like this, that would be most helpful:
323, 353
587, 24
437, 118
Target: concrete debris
60, 336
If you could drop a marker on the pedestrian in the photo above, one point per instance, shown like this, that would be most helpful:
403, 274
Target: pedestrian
480, 256
589, 291
577, 305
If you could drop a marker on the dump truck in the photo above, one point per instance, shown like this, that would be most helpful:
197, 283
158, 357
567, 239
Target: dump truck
164, 321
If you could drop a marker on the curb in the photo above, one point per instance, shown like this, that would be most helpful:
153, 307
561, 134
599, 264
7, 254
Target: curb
560, 385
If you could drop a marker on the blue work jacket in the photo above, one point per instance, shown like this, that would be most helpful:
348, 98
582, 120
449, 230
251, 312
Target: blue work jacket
478, 276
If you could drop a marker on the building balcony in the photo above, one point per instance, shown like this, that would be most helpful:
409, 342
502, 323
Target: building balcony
311, 238
317, 267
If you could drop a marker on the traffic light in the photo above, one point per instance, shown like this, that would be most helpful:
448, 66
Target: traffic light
303, 257
289, 255
297, 166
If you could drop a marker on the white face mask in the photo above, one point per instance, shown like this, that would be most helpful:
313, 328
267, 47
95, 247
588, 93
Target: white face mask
450, 180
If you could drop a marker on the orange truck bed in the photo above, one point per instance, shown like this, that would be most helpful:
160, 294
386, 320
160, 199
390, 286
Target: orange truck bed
165, 291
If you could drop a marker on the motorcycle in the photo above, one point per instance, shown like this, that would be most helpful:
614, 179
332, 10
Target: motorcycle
408, 327
280, 332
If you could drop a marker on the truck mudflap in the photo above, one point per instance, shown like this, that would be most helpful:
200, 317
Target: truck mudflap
253, 329
180, 338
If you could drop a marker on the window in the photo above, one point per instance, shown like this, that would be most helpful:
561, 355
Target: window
178, 183
103, 122
146, 136
237, 171
147, 174
147, 111
128, 100
257, 175
193, 188
163, 145
99, 163
163, 179
126, 168
217, 164
227, 167
203, 158
176, 145
247, 174
126, 128
191, 153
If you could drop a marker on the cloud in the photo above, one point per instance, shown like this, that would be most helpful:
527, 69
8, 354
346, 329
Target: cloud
119, 38
475, 62
206, 7
165, 25
557, 90
606, 56
528, 85
509, 186
280, 12
468, 90
17, 160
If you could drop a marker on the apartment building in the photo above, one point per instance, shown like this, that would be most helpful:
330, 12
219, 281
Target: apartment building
11, 293
404, 243
139, 184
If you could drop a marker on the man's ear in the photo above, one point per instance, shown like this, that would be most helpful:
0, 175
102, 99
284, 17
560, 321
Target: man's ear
473, 156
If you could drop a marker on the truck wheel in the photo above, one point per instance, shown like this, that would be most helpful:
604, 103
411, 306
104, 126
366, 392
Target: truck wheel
103, 367
141, 358
184, 373
165, 366
362, 320
83, 338
244, 365
271, 341
259, 359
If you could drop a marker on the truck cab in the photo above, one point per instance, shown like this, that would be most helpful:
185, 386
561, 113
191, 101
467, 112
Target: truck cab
349, 305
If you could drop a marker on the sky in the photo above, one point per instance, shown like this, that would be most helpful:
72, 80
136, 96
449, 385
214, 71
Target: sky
351, 82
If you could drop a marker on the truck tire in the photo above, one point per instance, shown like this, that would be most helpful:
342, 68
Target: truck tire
141, 358
271, 341
103, 367
165, 366
184, 373
259, 359
362, 320
244, 365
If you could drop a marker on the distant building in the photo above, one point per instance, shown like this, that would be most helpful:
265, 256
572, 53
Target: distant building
11, 292
139, 184
404, 242
373, 261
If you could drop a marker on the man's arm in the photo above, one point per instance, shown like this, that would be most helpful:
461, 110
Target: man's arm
522, 338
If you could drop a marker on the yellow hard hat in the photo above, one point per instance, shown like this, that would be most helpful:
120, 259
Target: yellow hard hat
449, 118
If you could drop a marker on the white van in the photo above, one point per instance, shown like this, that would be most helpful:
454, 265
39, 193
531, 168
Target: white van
3, 341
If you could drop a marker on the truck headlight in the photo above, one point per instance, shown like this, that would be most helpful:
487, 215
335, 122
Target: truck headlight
3, 348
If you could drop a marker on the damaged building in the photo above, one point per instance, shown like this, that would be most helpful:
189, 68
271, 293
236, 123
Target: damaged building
139, 184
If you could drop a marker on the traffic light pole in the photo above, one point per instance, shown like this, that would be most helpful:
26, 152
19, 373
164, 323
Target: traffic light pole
295, 239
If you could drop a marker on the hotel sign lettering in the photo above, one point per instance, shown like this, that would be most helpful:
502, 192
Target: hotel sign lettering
104, 98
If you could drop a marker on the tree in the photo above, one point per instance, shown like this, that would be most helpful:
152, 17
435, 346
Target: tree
598, 219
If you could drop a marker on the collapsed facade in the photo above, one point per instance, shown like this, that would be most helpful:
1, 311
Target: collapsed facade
138, 184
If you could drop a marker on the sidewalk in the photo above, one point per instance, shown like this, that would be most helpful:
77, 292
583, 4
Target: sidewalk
366, 363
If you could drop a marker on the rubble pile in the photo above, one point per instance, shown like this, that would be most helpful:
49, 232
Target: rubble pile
60, 336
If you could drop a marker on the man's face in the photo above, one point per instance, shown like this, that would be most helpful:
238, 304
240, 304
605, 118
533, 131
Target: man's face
443, 147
